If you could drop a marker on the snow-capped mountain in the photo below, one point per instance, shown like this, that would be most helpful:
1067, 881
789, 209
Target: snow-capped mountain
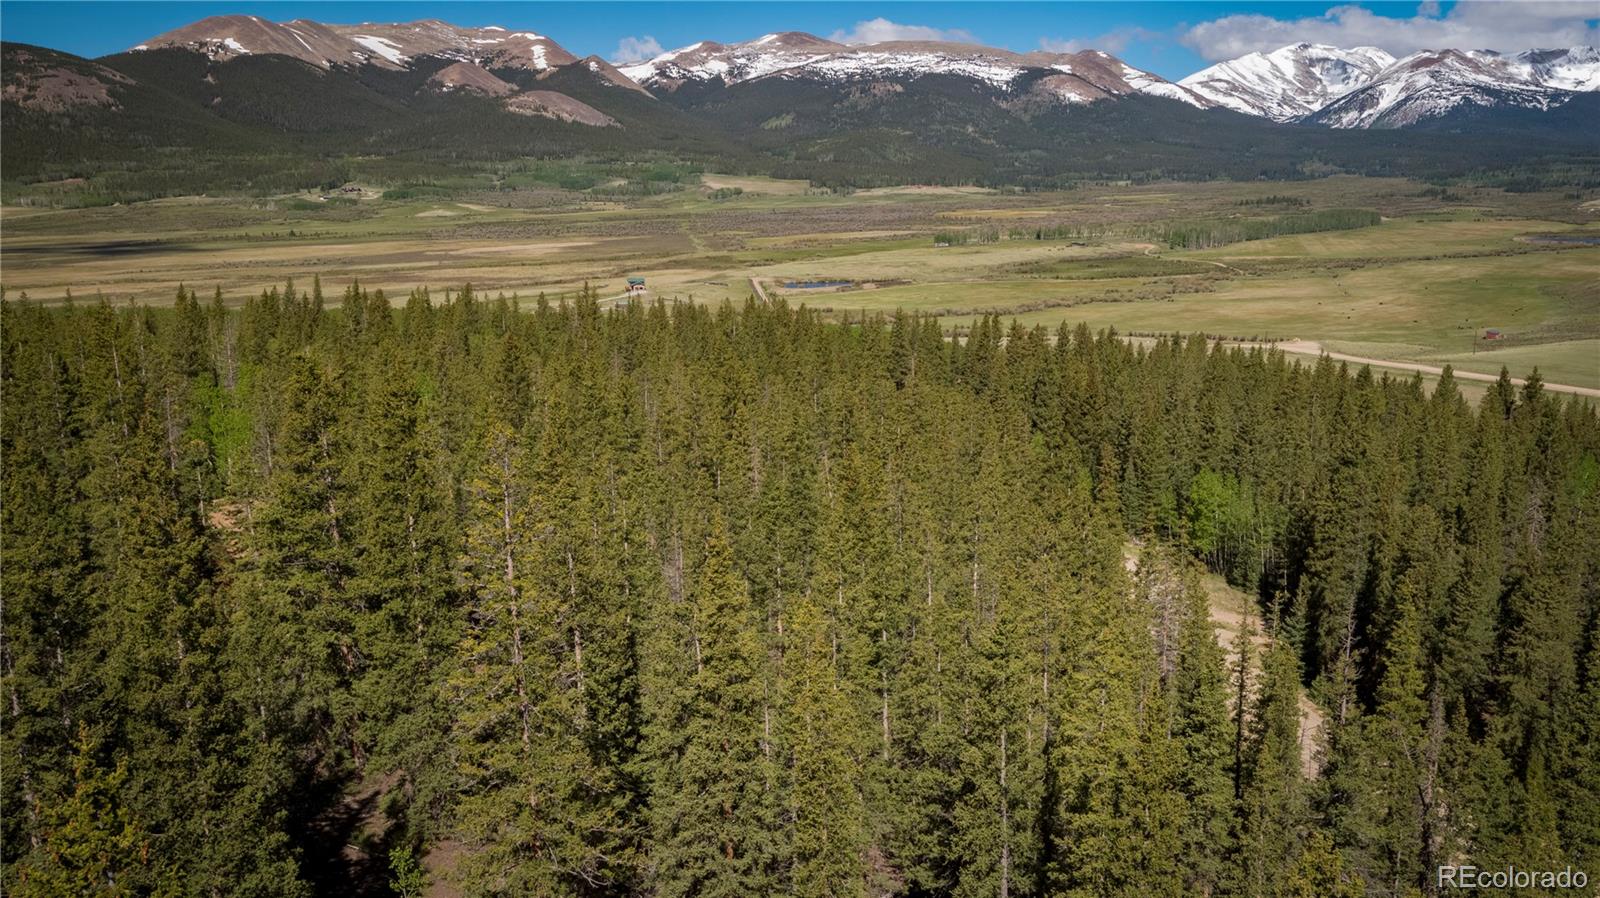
912, 59
612, 75
1290, 82
1436, 83
1365, 87
386, 45
1362, 87
1091, 75
1569, 68
708, 61
1071, 78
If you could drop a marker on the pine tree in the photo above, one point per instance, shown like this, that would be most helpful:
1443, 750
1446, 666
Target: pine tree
1272, 807
1002, 787
826, 807
1394, 762
531, 807
1579, 749
1319, 873
91, 845
707, 801
1337, 569
399, 586
1118, 828
291, 649
1200, 725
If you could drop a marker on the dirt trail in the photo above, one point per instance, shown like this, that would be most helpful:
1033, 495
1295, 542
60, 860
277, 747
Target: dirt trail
755, 284
1229, 610
1312, 347
1229, 615
1150, 250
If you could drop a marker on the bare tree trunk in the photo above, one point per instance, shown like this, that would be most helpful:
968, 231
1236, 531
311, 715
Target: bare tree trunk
883, 636
1005, 823
508, 540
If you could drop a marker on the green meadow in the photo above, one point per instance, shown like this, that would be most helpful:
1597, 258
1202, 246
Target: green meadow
1421, 286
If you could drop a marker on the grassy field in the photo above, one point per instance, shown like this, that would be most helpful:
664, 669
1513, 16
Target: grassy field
1421, 286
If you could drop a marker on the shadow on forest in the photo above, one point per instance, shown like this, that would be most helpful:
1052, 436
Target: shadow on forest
344, 844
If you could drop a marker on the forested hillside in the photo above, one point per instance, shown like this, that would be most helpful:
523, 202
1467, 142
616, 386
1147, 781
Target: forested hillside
168, 122
678, 601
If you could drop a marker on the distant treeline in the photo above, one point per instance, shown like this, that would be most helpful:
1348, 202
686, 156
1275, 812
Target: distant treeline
1204, 234
993, 233
1275, 200
965, 236
1084, 232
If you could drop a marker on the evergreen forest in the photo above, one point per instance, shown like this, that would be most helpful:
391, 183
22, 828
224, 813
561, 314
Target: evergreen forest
459, 595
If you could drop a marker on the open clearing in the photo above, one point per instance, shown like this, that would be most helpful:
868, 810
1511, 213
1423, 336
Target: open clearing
1420, 288
755, 184
1232, 612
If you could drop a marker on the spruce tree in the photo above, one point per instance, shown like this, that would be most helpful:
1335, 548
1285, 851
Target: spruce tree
1272, 808
1200, 725
530, 806
90, 844
826, 809
706, 805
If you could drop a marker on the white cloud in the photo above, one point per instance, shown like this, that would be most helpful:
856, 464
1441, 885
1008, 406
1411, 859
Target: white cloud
636, 49
1469, 25
872, 31
1114, 41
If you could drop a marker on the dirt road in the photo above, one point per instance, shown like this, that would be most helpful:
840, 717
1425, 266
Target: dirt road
1312, 347
1150, 250
755, 284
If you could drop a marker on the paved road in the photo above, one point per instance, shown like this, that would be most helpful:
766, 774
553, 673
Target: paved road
1312, 347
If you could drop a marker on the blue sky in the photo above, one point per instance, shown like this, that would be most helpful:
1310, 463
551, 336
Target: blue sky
1171, 39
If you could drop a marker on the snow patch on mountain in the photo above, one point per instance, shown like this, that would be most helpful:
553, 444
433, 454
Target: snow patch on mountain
1289, 82
1365, 87
1569, 68
1146, 83
1433, 83
388, 45
1081, 78
299, 37
907, 64
381, 47
731, 63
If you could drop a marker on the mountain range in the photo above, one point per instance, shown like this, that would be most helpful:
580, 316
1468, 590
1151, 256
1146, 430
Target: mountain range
1066, 78
787, 103
1366, 87
388, 45
1363, 87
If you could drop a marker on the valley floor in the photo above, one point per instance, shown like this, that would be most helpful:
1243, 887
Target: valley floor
1416, 292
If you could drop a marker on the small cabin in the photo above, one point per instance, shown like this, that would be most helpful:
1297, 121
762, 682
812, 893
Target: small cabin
1493, 334
635, 285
